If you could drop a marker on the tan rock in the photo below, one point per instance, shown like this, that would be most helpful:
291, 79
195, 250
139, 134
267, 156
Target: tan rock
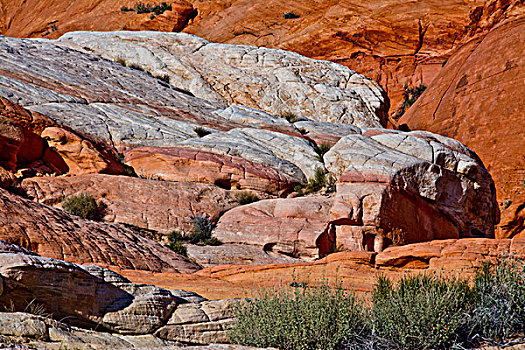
80, 156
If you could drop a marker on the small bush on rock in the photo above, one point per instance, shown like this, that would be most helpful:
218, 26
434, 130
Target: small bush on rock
246, 197
201, 132
82, 205
317, 181
500, 300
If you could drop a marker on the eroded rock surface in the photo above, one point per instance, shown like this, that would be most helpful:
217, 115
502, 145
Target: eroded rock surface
474, 100
314, 89
56, 234
161, 206
95, 297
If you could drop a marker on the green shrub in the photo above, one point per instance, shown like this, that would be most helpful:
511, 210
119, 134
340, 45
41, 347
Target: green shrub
213, 241
321, 150
410, 95
420, 311
290, 15
165, 78
175, 240
82, 205
201, 132
317, 181
202, 227
500, 300
300, 318
291, 117
246, 197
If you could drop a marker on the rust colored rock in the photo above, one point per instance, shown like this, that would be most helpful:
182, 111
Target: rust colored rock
393, 42
186, 164
80, 156
51, 19
38, 145
288, 226
56, 234
161, 206
476, 100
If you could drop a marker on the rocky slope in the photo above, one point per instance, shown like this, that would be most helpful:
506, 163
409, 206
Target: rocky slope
136, 315
390, 187
475, 100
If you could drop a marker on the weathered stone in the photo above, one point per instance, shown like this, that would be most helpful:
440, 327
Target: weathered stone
287, 226
155, 205
310, 88
474, 100
54, 233
235, 254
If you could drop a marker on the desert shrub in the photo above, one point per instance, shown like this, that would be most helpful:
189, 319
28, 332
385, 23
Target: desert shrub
420, 311
410, 95
165, 78
82, 205
300, 318
136, 67
290, 15
201, 132
298, 189
175, 243
121, 61
291, 117
317, 181
213, 241
246, 197
500, 300
321, 149
202, 227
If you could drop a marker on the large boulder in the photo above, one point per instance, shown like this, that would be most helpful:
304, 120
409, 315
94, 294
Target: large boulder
392, 188
57, 234
475, 99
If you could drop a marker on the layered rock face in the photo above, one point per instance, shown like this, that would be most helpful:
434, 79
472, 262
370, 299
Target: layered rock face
91, 296
51, 19
393, 42
474, 100
318, 90
57, 234
392, 187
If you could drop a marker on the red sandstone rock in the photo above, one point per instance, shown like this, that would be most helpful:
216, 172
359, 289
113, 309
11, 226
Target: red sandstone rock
162, 206
476, 100
186, 164
56, 234
51, 19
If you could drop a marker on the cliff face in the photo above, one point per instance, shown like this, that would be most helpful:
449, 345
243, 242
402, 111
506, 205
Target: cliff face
394, 42
51, 19
477, 99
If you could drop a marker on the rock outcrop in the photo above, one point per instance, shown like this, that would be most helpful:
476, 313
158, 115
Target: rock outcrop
90, 296
319, 90
162, 206
393, 188
475, 100
51, 19
56, 234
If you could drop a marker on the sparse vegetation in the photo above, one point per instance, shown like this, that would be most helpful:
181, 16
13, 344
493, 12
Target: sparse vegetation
424, 311
410, 95
201, 235
321, 150
201, 132
290, 15
165, 78
300, 318
291, 117
82, 205
246, 197
136, 66
317, 181
141, 7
